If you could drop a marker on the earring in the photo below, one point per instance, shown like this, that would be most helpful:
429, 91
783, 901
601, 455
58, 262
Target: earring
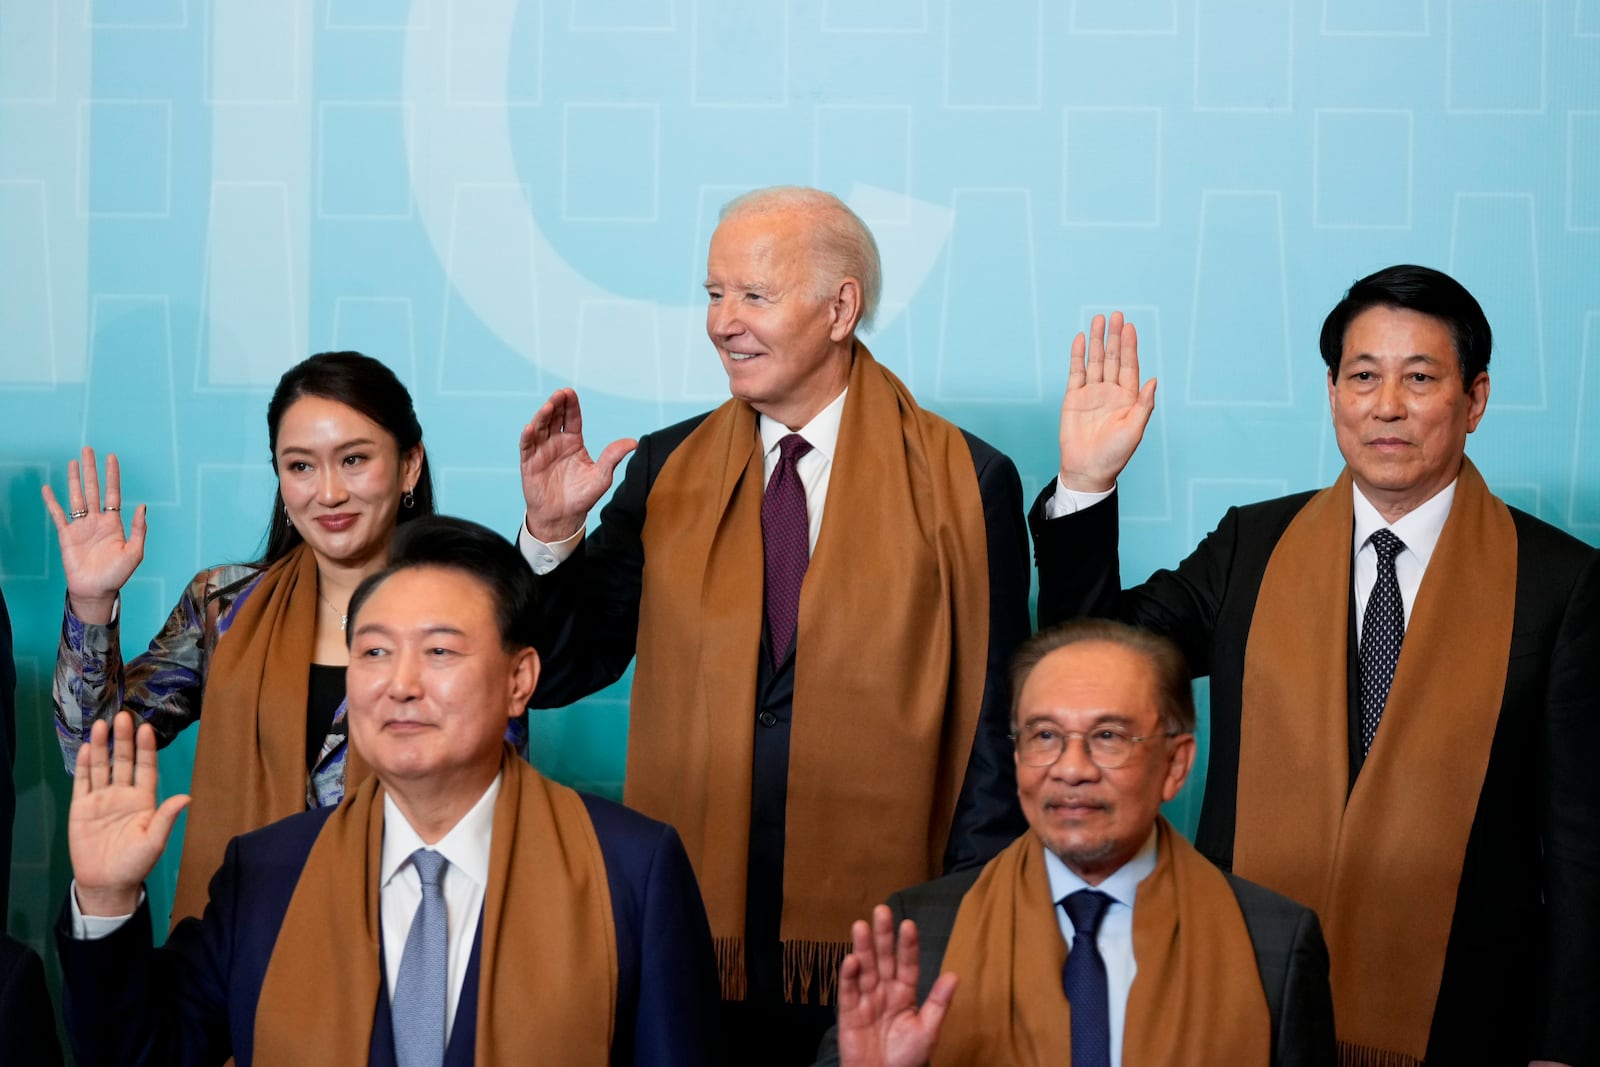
408, 500
286, 517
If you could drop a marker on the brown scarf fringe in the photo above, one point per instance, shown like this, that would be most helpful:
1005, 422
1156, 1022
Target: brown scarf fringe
730, 966
1363, 1056
805, 961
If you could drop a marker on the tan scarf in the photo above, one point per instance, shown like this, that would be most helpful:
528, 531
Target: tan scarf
547, 984
889, 670
1381, 869
250, 759
1196, 997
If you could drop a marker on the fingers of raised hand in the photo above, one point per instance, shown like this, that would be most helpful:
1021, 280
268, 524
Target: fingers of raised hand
1097, 348
1113, 343
91, 482
99, 755
122, 735
883, 941
1075, 365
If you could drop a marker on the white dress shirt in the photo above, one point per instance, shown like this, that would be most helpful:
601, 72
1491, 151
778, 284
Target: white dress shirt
466, 847
1115, 937
1418, 530
815, 468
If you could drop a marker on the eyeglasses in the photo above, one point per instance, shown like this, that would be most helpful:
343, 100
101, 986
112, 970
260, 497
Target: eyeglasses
1041, 744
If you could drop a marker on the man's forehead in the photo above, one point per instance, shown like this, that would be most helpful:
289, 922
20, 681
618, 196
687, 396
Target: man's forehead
427, 598
1088, 677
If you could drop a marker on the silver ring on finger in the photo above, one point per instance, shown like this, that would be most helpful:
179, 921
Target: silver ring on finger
110, 507
80, 514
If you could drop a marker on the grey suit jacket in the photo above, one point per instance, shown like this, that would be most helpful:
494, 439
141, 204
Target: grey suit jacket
1290, 955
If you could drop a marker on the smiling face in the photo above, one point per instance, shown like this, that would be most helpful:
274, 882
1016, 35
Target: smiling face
1094, 819
431, 685
341, 477
785, 338
1400, 412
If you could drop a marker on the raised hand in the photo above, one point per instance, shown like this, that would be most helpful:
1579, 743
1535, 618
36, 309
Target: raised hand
97, 557
115, 829
560, 482
879, 1022
1106, 409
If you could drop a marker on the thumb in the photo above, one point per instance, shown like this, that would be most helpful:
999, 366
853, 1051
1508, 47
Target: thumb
614, 453
167, 814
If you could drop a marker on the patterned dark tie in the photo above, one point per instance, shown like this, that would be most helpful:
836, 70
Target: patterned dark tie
420, 989
1383, 627
1083, 978
786, 540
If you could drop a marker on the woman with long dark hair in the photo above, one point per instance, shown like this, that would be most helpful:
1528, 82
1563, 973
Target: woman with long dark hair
259, 647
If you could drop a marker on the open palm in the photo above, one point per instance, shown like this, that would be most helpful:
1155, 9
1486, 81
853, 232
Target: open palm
560, 482
1105, 409
880, 1024
116, 830
96, 555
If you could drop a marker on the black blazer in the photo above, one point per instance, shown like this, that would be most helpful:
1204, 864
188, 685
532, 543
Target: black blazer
1290, 955
1524, 948
589, 630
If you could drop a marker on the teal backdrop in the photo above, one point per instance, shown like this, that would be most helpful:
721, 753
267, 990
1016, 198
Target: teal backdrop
501, 198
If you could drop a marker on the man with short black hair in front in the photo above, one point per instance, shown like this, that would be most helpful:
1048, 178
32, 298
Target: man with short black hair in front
457, 908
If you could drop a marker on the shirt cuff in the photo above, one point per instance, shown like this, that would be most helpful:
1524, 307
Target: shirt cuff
94, 927
1066, 501
545, 558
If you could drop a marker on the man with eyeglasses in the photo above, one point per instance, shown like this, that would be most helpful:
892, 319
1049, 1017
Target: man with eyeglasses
1100, 937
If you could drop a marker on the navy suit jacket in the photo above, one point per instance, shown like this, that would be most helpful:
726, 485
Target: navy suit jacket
1290, 956
193, 1001
27, 1018
1524, 948
590, 611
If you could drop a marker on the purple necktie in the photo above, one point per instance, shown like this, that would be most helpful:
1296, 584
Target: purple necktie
786, 540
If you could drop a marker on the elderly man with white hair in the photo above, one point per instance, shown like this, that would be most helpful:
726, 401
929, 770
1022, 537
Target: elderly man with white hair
822, 583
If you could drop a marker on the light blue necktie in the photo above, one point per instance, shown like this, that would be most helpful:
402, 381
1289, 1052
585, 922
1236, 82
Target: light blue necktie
420, 1001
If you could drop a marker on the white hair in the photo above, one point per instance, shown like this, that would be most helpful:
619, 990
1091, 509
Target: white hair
842, 246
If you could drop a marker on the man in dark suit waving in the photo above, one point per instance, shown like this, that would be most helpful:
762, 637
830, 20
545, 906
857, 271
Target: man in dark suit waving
1100, 937
1403, 677
456, 908
823, 583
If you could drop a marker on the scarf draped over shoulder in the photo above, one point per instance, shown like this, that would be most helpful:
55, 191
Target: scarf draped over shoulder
889, 668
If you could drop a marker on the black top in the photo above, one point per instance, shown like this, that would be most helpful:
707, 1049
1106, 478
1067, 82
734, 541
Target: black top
324, 695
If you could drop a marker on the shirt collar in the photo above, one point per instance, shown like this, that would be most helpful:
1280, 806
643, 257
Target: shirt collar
1123, 884
1418, 529
465, 847
822, 431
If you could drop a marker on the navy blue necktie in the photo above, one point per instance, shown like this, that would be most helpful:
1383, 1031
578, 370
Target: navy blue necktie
421, 997
1083, 978
1383, 627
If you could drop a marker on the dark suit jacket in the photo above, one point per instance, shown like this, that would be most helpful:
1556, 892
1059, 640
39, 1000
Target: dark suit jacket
1290, 955
194, 1000
8, 754
27, 1018
1524, 948
590, 611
